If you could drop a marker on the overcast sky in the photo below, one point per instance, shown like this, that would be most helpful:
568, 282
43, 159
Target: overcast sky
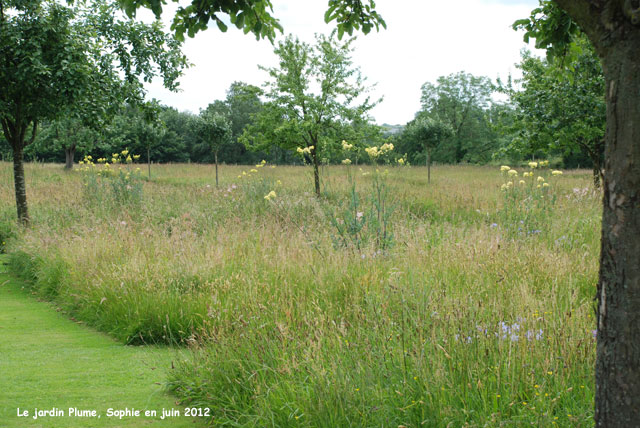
423, 40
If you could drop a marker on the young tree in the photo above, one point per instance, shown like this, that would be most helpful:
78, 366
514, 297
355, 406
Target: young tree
53, 57
300, 116
214, 131
613, 27
430, 133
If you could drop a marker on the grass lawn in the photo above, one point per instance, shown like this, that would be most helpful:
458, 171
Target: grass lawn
48, 361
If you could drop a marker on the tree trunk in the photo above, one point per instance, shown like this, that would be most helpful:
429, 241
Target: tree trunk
316, 171
69, 154
20, 186
618, 313
216, 158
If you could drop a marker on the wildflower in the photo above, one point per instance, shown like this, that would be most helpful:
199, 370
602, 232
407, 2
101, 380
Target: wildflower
527, 174
239, 176
125, 152
270, 195
538, 186
136, 157
386, 147
259, 165
533, 165
359, 215
540, 179
503, 187
346, 162
299, 150
114, 160
244, 173
401, 161
545, 184
346, 146
544, 163
509, 184
81, 163
521, 182
505, 168
556, 172
373, 152
278, 182
513, 173
129, 159
263, 162
253, 170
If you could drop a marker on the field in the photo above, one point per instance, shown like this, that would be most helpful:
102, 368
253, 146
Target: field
459, 304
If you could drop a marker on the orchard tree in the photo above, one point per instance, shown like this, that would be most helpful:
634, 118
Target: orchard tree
613, 27
312, 91
561, 107
214, 131
429, 133
55, 57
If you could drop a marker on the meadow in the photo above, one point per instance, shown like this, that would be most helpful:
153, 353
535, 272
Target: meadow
474, 308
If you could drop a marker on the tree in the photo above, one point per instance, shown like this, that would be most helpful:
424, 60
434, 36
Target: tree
561, 106
299, 117
459, 100
55, 57
613, 27
429, 133
214, 131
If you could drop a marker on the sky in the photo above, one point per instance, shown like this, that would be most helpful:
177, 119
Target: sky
423, 40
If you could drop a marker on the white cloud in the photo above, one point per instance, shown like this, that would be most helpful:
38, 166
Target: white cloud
423, 40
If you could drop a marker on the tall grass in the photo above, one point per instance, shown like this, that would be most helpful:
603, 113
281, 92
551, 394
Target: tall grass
458, 324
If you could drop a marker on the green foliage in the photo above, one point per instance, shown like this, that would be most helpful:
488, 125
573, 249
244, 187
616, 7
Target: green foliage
256, 16
560, 107
213, 130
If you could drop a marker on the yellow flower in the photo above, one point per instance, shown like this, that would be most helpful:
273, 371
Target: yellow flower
136, 157
263, 161
244, 173
505, 168
509, 184
513, 173
538, 186
544, 163
556, 172
270, 195
346, 146
129, 159
401, 161
373, 152
299, 150
260, 165
278, 182
540, 179
522, 182
533, 165
114, 160
545, 184
503, 187
253, 170
346, 162
125, 152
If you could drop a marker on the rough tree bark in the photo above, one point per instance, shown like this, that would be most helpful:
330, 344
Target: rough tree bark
69, 154
15, 133
614, 28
